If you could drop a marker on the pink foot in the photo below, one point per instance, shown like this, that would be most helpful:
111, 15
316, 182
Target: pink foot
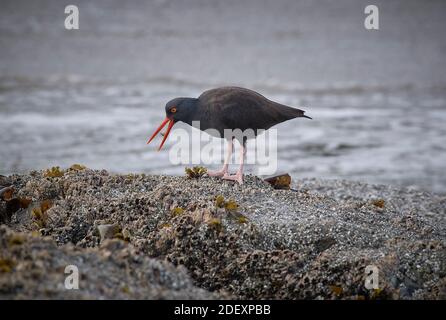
236, 177
219, 173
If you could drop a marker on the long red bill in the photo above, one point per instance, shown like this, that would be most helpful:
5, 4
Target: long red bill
171, 123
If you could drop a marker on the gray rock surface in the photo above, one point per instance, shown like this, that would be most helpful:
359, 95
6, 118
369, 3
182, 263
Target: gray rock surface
214, 239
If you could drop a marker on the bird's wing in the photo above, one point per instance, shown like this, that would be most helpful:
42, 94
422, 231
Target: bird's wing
246, 109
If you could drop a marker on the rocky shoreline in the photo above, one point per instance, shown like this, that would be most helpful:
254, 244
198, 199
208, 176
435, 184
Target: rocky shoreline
169, 237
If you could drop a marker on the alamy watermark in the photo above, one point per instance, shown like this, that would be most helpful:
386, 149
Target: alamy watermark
371, 277
371, 22
72, 278
198, 147
72, 20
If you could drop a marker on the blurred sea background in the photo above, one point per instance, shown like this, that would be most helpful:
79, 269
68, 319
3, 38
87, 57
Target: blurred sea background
94, 95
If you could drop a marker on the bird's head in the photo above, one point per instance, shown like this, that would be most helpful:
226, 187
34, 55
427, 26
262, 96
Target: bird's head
178, 109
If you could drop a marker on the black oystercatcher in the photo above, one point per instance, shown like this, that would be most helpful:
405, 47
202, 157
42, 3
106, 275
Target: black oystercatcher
227, 108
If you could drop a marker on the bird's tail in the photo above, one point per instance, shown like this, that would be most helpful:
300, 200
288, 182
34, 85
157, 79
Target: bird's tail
286, 113
296, 113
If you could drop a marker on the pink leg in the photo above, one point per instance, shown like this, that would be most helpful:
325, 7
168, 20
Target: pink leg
239, 175
224, 170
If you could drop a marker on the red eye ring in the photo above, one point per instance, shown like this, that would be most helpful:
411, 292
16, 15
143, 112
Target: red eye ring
173, 110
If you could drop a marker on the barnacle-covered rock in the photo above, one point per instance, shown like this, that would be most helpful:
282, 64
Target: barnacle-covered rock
250, 241
34, 268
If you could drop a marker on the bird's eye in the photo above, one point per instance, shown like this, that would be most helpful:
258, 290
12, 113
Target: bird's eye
173, 110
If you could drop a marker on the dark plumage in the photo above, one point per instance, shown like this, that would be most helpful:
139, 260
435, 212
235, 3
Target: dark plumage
231, 108
228, 108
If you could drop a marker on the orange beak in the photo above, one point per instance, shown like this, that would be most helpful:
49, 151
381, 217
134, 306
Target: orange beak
171, 123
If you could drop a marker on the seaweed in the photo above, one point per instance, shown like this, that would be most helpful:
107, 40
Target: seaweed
77, 167
337, 290
380, 203
54, 172
6, 265
12, 204
195, 172
215, 223
124, 235
6, 193
177, 211
229, 205
220, 201
16, 239
282, 181
39, 214
165, 225
125, 289
242, 219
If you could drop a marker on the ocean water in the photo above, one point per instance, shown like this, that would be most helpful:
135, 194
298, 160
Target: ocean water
94, 95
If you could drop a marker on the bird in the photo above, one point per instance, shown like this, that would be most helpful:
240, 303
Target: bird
227, 108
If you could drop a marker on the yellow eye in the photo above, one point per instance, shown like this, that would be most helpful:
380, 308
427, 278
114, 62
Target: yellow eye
173, 110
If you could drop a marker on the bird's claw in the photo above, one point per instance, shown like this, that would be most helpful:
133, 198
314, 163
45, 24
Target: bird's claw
236, 177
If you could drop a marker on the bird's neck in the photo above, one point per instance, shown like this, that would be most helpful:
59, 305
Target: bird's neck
192, 105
